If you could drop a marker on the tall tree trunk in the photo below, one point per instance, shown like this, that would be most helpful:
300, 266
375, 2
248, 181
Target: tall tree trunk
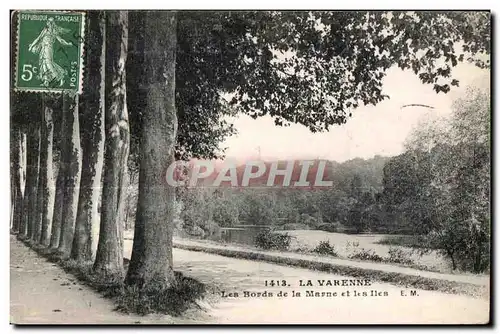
71, 167
12, 197
92, 132
33, 160
109, 256
23, 224
37, 224
13, 171
17, 175
55, 233
152, 250
15, 149
46, 180
44, 169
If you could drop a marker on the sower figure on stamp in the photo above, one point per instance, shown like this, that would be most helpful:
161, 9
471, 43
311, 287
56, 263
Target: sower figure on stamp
43, 45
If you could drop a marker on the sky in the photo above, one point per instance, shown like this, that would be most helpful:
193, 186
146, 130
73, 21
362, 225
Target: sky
373, 130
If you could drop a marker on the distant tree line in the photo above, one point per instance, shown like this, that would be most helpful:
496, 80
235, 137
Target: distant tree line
438, 188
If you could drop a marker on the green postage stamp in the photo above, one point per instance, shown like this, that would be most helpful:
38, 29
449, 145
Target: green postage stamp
49, 51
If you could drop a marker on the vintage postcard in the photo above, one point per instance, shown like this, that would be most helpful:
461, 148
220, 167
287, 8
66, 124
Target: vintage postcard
250, 167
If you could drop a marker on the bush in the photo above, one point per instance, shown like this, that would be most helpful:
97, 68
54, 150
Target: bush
465, 244
273, 240
324, 248
366, 255
398, 255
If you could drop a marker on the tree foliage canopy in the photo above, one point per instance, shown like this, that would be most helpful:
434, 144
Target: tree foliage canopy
311, 68
441, 184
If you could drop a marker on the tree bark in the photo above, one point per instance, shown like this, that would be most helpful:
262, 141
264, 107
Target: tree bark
46, 180
37, 223
152, 249
109, 256
32, 161
15, 142
92, 133
12, 197
71, 167
13, 171
17, 175
55, 233
23, 224
451, 255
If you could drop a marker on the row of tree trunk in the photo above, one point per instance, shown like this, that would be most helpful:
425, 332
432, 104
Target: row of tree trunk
87, 152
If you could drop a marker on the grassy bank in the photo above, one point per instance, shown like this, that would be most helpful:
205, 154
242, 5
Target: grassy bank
181, 296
